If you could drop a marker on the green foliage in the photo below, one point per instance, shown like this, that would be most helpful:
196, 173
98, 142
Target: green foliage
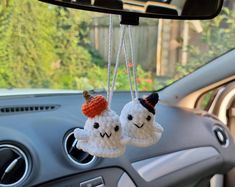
144, 79
99, 79
44, 46
26, 49
41, 45
73, 59
206, 99
218, 36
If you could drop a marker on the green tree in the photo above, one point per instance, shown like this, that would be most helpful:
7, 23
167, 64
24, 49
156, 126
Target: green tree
46, 46
41, 45
218, 37
6, 8
26, 43
73, 59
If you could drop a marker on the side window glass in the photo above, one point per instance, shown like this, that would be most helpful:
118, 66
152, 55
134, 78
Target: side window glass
206, 99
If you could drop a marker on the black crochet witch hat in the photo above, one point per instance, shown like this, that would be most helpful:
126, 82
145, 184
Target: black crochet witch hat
150, 102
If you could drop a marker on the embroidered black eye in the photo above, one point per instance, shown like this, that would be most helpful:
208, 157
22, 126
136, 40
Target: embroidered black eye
96, 125
148, 118
129, 117
116, 128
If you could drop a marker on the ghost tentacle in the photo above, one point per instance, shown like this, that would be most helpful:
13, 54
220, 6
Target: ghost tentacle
80, 134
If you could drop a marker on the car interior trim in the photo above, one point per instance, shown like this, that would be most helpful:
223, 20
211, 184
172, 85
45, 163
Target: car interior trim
174, 94
219, 107
153, 168
125, 181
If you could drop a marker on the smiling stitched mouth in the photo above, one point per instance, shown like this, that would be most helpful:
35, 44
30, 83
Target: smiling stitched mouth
139, 126
105, 134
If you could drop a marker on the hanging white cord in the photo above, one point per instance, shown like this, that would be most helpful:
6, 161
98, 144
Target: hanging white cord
109, 54
128, 69
123, 28
133, 62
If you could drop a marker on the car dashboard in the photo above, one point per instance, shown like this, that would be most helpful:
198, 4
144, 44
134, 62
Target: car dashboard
37, 147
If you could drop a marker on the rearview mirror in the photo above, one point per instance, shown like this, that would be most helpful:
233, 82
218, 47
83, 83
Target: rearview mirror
133, 9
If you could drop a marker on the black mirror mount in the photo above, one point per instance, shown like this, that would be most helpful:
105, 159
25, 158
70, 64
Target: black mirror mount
129, 20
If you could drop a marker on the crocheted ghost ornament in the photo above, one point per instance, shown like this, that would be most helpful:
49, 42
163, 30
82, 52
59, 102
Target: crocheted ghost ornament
138, 121
101, 135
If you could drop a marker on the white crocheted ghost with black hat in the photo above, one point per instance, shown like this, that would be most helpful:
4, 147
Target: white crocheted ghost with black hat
138, 121
101, 135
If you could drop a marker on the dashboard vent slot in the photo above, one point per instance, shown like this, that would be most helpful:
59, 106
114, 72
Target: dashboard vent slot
14, 166
27, 109
77, 156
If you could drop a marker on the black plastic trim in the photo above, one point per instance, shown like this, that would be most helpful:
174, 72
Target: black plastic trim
106, 10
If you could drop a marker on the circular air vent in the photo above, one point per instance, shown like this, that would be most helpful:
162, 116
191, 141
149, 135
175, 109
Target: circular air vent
221, 136
77, 156
14, 165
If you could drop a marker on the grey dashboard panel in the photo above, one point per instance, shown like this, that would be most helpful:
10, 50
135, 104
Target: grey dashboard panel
110, 177
42, 134
125, 181
154, 168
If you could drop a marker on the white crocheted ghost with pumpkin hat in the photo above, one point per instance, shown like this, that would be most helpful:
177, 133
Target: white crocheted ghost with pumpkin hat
138, 121
101, 135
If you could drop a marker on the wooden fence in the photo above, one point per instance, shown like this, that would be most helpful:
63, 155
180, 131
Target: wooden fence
155, 43
144, 39
159, 44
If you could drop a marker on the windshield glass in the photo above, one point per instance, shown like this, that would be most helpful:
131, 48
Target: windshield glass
46, 46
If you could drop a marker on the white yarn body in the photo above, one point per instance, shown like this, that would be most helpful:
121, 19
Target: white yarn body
103, 141
139, 131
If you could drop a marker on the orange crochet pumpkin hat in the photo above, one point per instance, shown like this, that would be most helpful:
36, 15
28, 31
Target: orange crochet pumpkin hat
94, 105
